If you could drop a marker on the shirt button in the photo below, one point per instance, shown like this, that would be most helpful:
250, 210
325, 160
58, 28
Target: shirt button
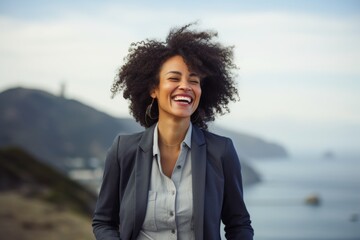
172, 192
173, 231
171, 213
178, 166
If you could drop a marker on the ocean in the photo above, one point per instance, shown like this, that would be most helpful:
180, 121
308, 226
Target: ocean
277, 204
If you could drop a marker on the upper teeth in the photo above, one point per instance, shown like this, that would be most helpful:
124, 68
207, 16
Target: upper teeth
182, 98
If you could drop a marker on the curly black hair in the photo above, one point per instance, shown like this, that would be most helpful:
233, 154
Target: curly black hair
140, 73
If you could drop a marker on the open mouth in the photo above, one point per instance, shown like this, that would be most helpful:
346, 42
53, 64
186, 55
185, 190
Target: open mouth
183, 99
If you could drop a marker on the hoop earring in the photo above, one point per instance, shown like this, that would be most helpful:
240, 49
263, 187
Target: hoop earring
148, 110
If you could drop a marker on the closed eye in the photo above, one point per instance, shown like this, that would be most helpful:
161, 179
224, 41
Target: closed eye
194, 81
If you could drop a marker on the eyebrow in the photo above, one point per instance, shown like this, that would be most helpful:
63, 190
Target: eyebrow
179, 73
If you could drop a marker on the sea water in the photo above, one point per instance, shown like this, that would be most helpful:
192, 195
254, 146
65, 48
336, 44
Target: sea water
278, 204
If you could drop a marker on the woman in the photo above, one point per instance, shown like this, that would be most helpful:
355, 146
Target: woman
175, 180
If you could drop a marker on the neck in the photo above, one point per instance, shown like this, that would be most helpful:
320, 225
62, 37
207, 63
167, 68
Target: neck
172, 133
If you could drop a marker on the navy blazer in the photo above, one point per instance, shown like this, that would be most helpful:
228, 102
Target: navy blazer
217, 188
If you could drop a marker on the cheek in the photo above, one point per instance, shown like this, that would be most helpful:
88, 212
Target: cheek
168, 88
198, 96
198, 93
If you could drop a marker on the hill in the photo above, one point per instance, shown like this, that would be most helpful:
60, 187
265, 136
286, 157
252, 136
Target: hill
37, 202
54, 128
22, 218
58, 127
57, 130
21, 172
252, 147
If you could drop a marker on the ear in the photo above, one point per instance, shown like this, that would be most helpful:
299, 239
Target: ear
153, 93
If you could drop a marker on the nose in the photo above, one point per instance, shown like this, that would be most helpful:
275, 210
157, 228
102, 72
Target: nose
184, 85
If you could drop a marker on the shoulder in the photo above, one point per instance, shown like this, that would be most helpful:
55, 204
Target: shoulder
131, 142
214, 142
124, 142
213, 138
129, 138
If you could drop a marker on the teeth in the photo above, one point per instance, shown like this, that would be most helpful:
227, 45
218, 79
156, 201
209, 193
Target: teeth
183, 98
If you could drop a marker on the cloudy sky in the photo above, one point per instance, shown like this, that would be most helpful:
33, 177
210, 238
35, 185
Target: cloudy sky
299, 77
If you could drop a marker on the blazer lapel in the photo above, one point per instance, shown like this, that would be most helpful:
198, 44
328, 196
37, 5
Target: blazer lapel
143, 165
198, 165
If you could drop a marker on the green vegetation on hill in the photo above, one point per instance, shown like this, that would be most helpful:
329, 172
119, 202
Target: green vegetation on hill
22, 173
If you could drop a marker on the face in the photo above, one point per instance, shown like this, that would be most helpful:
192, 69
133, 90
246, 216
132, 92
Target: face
178, 93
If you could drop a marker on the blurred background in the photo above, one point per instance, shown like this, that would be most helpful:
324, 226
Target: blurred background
296, 126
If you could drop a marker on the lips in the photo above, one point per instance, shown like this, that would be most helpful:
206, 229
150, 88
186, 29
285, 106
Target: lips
183, 99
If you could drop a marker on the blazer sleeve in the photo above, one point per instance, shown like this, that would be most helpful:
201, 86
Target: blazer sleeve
105, 221
234, 213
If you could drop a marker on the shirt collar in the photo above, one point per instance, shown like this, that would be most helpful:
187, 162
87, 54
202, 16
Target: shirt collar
187, 139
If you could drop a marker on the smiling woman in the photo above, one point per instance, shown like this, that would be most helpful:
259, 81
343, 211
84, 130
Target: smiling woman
209, 61
178, 93
175, 180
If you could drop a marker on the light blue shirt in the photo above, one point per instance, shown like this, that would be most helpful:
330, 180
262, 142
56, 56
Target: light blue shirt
169, 213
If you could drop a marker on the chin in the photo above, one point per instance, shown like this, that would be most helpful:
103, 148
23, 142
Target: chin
182, 116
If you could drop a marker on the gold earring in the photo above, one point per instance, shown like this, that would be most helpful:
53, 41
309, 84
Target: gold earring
148, 110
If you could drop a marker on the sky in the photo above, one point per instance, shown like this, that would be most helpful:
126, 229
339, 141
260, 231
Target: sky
299, 76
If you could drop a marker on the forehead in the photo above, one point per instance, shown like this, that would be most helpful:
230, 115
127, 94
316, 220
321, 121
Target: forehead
174, 63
